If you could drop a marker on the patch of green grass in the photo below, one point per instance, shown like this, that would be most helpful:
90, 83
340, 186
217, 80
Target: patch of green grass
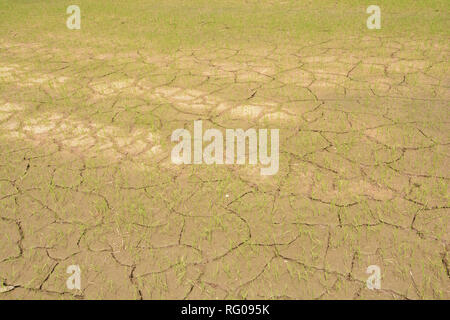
171, 24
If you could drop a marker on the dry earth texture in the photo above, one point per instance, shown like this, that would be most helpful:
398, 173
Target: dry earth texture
85, 171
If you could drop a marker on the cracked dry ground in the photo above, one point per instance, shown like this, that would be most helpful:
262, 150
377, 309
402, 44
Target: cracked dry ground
86, 177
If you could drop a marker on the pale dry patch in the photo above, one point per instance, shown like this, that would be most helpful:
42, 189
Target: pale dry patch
322, 84
219, 73
4, 116
229, 66
123, 141
10, 67
167, 164
122, 84
6, 76
9, 72
106, 132
196, 101
5, 72
15, 135
189, 100
183, 97
194, 107
103, 89
297, 77
10, 107
40, 125
319, 59
104, 56
156, 150
167, 91
5, 69
4, 289
251, 76
110, 88
268, 71
212, 100
135, 91
11, 125
405, 66
247, 111
135, 148
39, 80
39, 129
62, 79
81, 129
277, 117
188, 95
83, 141
74, 134
222, 107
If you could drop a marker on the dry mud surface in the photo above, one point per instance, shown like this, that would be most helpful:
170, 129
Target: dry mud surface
86, 177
